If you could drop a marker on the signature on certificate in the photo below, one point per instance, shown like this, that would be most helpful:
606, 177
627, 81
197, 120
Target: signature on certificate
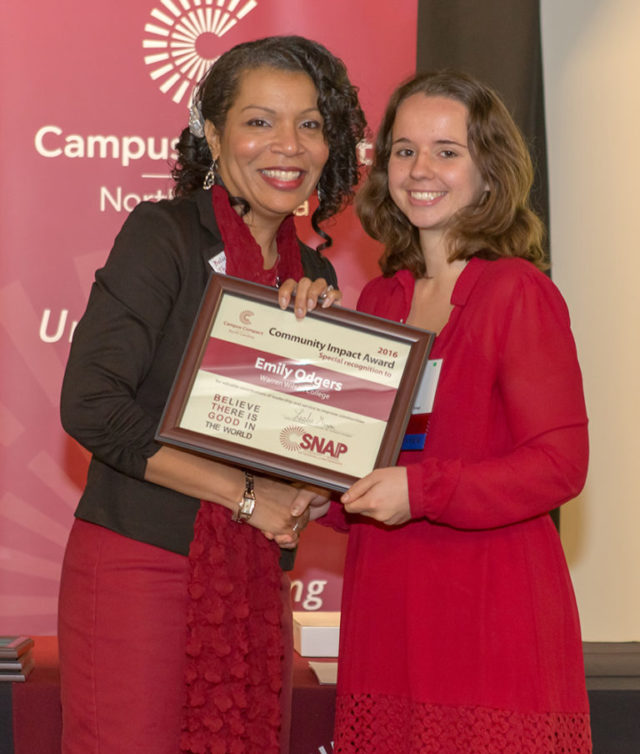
311, 419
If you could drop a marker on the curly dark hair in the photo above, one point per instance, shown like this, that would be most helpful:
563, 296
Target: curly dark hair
501, 225
344, 121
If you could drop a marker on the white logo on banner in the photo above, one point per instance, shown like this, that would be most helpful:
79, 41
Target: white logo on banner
182, 41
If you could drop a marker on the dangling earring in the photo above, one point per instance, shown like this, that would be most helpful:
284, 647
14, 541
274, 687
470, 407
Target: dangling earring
320, 194
210, 177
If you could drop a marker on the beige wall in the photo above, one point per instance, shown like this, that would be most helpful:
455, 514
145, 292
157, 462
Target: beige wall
592, 76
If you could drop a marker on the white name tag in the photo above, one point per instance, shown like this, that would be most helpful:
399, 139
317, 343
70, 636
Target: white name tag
219, 263
427, 391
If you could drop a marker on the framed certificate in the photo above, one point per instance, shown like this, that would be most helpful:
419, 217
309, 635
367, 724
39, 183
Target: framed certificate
323, 400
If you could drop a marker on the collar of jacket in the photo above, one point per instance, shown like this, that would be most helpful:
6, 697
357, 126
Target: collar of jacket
209, 222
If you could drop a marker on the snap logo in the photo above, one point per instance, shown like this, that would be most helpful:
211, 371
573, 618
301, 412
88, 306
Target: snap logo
323, 446
182, 40
296, 438
290, 437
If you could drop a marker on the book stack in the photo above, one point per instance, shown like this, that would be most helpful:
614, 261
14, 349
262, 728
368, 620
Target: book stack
16, 658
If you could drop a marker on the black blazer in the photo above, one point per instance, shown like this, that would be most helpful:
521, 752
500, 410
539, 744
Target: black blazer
125, 352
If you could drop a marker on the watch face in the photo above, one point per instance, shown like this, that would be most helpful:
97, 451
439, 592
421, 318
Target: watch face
248, 502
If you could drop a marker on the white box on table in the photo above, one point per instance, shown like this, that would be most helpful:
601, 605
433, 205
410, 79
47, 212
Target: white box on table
316, 634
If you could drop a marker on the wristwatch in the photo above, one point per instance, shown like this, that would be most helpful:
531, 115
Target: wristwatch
247, 502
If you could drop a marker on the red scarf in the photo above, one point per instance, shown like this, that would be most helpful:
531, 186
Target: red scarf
234, 633
244, 257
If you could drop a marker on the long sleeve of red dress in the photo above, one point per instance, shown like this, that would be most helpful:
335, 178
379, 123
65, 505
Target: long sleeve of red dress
508, 436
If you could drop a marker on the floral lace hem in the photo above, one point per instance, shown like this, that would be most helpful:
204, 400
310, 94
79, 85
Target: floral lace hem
234, 639
382, 724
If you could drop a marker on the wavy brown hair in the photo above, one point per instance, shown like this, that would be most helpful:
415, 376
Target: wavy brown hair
501, 225
344, 122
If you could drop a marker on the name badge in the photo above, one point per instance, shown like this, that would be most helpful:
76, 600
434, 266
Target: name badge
416, 433
219, 263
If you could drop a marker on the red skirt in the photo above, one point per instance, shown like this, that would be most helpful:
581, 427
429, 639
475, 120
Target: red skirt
459, 642
123, 637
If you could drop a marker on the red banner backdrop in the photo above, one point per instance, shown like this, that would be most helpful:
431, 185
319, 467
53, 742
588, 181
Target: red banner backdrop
94, 94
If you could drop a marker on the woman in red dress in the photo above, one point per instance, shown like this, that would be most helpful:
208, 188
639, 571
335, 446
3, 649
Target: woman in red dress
460, 631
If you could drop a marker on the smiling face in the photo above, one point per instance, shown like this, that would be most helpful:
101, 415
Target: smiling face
431, 173
272, 149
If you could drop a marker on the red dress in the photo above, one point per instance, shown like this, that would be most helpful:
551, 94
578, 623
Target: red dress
460, 632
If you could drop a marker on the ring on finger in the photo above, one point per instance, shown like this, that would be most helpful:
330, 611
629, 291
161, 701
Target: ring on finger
326, 292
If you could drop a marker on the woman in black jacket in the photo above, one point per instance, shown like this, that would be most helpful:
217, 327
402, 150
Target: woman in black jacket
272, 121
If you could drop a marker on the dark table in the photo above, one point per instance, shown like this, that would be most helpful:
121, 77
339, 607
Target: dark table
31, 722
30, 719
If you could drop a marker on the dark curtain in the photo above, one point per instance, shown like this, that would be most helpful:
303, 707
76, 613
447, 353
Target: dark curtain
497, 41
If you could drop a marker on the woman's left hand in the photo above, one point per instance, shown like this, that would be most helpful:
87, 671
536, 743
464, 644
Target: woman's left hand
382, 495
307, 295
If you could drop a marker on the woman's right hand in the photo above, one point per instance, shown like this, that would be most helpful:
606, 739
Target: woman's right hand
272, 511
207, 479
305, 502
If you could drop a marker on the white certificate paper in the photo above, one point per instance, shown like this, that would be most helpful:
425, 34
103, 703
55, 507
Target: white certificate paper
315, 394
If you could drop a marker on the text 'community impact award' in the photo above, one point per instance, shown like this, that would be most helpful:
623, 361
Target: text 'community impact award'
324, 400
